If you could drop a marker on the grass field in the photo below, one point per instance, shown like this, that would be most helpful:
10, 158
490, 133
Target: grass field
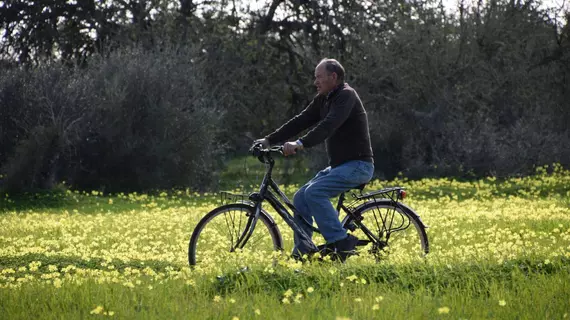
499, 250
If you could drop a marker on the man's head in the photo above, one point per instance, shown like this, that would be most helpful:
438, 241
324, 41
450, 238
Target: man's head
329, 73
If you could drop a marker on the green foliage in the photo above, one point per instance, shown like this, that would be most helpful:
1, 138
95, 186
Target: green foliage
499, 251
247, 172
469, 94
479, 92
131, 121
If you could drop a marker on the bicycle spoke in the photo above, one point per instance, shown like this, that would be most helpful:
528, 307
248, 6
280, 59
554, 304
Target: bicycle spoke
229, 229
233, 229
255, 240
383, 229
218, 239
239, 228
395, 231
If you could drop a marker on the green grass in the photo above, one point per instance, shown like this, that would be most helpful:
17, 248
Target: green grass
499, 250
247, 172
468, 296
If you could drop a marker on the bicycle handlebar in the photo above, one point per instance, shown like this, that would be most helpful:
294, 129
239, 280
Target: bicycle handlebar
258, 150
264, 154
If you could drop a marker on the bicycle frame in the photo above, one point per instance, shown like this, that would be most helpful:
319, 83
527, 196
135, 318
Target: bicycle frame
265, 193
269, 191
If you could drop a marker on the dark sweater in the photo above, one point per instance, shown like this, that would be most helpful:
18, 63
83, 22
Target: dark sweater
340, 120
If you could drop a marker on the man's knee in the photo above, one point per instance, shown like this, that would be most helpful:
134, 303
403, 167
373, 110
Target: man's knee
299, 198
313, 193
300, 203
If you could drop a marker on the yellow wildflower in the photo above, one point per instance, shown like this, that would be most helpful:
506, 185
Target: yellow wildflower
443, 310
97, 310
352, 277
288, 293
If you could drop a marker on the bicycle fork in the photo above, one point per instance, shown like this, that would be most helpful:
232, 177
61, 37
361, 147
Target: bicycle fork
249, 228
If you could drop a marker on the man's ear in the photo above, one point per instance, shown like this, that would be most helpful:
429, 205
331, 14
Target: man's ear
334, 76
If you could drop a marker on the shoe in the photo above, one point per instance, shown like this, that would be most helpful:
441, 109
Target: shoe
296, 257
344, 248
325, 249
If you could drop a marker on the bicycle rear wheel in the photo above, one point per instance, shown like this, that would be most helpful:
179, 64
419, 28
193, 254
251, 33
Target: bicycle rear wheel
389, 229
214, 240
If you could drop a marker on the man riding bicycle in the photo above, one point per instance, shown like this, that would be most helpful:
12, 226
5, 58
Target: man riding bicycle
340, 120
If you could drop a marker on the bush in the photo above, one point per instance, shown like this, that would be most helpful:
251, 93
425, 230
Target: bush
480, 93
465, 97
132, 121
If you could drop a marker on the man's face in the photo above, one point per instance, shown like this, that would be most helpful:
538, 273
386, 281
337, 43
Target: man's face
324, 81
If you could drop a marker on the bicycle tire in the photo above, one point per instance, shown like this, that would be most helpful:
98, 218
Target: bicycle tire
212, 244
368, 211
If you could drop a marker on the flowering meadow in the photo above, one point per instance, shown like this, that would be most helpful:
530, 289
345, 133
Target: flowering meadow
499, 249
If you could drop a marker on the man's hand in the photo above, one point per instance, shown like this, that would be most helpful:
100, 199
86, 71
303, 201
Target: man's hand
290, 148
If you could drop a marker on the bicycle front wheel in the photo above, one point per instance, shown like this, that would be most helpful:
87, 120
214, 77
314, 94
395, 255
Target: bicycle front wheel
215, 239
389, 229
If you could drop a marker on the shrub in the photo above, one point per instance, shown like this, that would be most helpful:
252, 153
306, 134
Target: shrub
129, 122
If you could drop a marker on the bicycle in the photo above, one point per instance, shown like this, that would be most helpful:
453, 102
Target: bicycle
388, 230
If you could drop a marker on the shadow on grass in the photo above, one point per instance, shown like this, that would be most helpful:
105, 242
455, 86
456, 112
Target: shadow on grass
472, 277
91, 263
33, 201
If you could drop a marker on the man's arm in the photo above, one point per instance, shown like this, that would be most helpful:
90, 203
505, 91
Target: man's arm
337, 115
300, 122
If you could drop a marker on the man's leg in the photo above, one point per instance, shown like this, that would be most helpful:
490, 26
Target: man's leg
304, 211
338, 180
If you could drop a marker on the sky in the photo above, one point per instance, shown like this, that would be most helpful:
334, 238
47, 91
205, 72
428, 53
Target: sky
450, 5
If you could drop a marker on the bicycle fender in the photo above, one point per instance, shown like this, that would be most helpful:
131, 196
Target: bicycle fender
390, 202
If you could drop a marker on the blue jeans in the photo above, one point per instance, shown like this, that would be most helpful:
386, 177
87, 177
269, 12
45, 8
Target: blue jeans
313, 200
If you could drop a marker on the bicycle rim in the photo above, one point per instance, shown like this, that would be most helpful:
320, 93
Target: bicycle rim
214, 240
397, 234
